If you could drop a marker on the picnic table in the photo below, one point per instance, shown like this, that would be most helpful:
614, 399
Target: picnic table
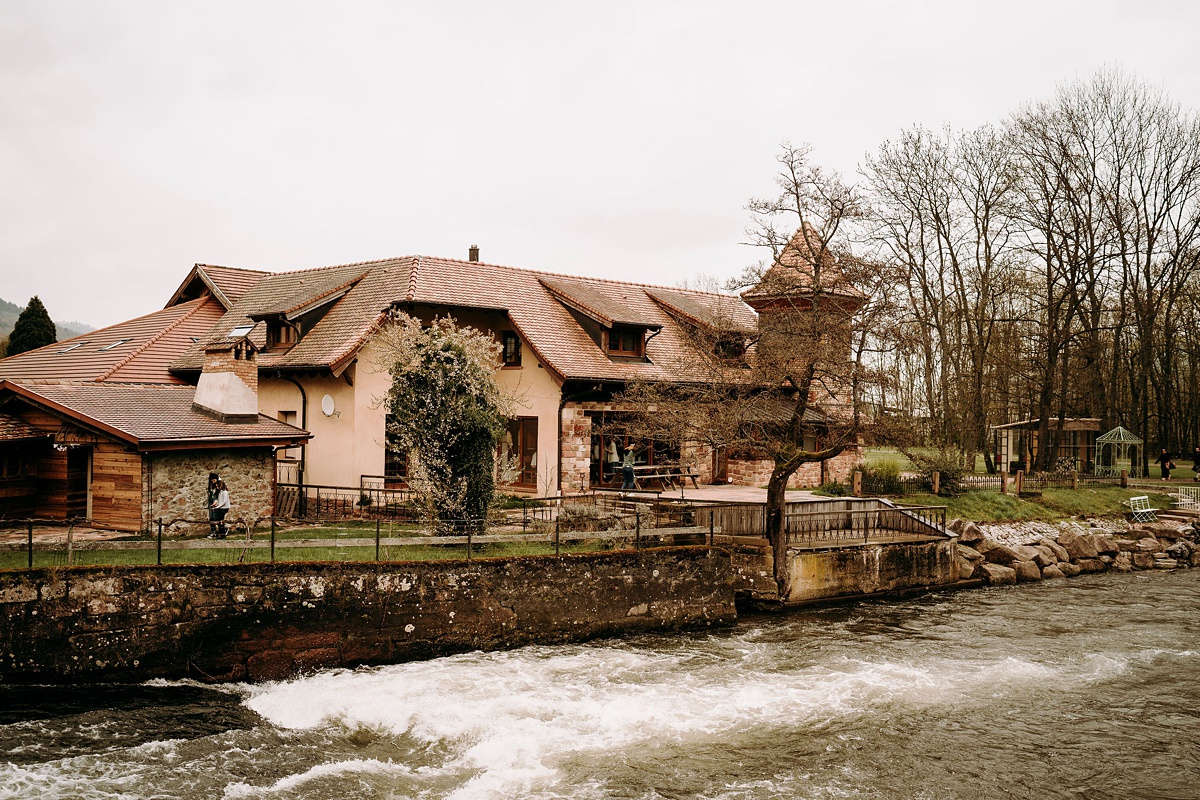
668, 477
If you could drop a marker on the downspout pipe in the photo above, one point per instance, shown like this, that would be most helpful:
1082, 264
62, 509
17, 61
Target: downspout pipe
304, 425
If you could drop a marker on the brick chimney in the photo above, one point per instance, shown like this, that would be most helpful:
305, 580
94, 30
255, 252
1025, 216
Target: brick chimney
228, 385
473, 253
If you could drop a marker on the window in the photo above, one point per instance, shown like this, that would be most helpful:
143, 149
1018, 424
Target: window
395, 460
291, 418
240, 330
518, 449
626, 342
512, 349
113, 346
69, 348
280, 335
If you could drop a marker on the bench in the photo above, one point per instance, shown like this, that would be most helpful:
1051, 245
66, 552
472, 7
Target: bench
1141, 509
1188, 498
667, 477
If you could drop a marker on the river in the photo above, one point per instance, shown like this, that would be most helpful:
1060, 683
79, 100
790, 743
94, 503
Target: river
1079, 689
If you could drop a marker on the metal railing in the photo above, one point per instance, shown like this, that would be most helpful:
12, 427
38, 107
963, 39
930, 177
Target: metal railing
185, 541
863, 526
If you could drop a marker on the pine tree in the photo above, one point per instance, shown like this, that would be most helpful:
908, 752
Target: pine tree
33, 329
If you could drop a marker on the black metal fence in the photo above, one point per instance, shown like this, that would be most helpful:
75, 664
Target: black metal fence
865, 525
25, 544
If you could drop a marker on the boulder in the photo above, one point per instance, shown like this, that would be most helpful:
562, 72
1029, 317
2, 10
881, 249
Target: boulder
1195, 559
969, 553
1149, 545
1025, 552
956, 525
1123, 562
1079, 547
1027, 571
1060, 552
1165, 563
1069, 569
1052, 572
1045, 557
1142, 560
966, 568
1092, 565
983, 545
971, 533
1105, 545
1126, 545
1181, 550
1003, 554
997, 575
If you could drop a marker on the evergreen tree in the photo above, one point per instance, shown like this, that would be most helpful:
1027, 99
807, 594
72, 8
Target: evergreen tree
33, 329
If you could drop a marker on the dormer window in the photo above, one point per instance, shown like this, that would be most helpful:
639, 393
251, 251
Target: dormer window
511, 355
627, 342
281, 335
240, 330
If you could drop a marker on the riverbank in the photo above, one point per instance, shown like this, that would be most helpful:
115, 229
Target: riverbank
1020, 552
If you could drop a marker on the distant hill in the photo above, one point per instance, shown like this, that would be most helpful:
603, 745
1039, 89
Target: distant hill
65, 330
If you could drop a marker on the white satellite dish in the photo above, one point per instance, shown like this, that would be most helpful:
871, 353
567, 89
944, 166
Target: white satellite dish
327, 406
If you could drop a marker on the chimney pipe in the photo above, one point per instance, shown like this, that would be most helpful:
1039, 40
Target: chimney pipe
473, 253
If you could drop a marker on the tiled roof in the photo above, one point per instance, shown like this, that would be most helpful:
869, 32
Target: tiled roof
720, 312
152, 417
15, 429
233, 282
136, 351
609, 305
543, 319
793, 273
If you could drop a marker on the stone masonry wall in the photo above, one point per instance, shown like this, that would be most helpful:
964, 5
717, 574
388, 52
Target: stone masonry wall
178, 483
757, 472
576, 444
268, 621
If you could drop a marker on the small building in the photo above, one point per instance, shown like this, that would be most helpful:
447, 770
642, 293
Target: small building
122, 455
1018, 444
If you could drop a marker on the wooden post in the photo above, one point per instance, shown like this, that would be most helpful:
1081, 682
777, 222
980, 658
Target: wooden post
1020, 481
856, 483
272, 539
1074, 479
160, 527
1003, 481
937, 481
377, 538
711, 529
1124, 479
71, 543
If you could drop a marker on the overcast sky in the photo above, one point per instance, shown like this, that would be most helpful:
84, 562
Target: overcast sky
607, 139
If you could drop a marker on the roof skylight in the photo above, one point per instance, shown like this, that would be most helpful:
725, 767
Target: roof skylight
240, 330
71, 347
114, 345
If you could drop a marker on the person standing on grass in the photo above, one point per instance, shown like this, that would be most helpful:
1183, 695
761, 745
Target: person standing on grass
1196, 463
220, 508
1164, 461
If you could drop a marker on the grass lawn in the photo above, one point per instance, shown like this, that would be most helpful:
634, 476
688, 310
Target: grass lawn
44, 557
1053, 505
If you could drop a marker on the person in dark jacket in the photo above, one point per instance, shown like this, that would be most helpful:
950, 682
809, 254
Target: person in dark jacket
1196, 464
1164, 461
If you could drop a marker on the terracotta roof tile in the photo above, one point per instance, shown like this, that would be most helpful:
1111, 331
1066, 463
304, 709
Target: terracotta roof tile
15, 429
135, 351
526, 295
149, 415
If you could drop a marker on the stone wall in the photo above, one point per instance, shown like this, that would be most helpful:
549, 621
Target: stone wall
868, 569
266, 621
576, 445
178, 483
757, 472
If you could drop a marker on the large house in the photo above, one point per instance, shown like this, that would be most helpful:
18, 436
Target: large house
275, 355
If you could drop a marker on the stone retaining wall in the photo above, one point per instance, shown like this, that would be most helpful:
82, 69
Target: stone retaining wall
1069, 553
870, 569
266, 621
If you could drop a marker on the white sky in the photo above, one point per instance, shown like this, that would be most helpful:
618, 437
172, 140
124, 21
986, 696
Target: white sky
609, 139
